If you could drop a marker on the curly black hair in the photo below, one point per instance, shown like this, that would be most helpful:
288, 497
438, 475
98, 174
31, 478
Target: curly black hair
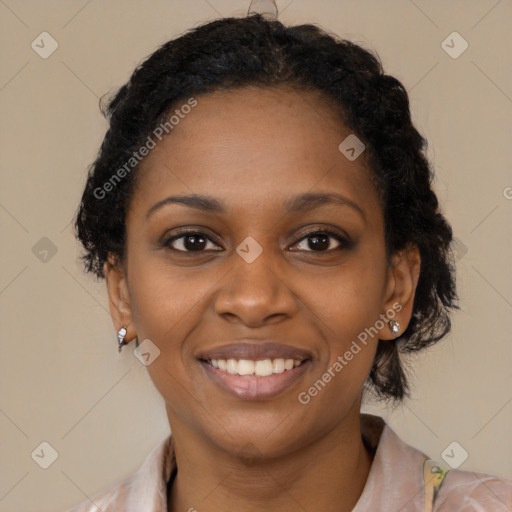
231, 53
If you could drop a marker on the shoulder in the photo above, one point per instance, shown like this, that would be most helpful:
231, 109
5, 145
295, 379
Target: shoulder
468, 491
111, 498
143, 490
405, 478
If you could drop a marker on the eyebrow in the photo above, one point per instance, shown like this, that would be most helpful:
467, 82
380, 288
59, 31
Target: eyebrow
301, 203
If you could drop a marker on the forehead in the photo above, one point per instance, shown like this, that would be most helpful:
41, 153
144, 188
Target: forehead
254, 147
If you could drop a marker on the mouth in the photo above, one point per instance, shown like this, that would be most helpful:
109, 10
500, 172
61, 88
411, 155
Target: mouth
255, 371
259, 368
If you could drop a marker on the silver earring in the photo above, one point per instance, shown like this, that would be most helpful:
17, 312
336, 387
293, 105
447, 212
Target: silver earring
394, 326
120, 338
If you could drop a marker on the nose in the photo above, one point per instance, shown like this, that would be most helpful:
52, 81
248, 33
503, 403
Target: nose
255, 294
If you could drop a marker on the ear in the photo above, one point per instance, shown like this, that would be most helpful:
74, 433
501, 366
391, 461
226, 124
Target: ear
119, 298
402, 280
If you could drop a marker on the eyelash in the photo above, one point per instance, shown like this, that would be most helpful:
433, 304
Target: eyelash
345, 243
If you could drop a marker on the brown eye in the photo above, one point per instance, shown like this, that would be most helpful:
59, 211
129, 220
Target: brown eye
190, 241
321, 241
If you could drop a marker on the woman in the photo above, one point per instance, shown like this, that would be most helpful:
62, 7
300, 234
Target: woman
262, 211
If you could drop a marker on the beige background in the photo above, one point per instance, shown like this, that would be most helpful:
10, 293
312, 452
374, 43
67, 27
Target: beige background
61, 378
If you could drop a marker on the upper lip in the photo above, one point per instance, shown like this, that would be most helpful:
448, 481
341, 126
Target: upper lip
255, 351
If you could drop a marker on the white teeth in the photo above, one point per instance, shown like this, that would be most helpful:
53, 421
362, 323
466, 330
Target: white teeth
245, 367
232, 366
260, 368
278, 366
263, 368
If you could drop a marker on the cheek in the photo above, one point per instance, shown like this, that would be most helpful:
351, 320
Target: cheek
348, 317
336, 382
166, 307
349, 301
166, 299
167, 303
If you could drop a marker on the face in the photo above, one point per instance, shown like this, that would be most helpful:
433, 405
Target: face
263, 268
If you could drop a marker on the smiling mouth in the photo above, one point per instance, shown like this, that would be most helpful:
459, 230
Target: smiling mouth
250, 370
255, 368
261, 379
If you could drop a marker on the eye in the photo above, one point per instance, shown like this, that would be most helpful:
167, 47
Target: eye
190, 241
321, 241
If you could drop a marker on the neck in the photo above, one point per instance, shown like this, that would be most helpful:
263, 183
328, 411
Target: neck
326, 475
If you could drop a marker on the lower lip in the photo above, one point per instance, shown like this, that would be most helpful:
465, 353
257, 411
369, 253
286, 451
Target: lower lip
253, 387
